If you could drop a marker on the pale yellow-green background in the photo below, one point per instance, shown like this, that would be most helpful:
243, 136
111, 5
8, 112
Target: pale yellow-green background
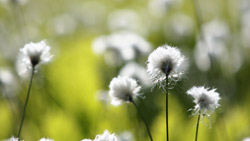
63, 104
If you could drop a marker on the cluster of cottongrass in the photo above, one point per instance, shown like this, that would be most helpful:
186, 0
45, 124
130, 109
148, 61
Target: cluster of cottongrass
165, 65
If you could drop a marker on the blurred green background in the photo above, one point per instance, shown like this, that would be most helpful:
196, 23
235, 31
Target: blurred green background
64, 104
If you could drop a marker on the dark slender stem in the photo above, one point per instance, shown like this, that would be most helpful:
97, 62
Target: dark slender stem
137, 108
167, 107
25, 105
197, 127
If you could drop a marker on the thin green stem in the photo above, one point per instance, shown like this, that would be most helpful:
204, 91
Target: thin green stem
167, 108
26, 102
197, 127
137, 108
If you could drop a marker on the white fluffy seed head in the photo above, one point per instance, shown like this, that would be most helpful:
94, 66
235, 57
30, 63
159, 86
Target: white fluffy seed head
32, 55
123, 89
165, 60
206, 100
12, 139
106, 136
44, 139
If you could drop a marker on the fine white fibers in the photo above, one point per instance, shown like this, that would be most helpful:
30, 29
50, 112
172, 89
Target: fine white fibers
165, 57
106, 136
44, 139
32, 55
12, 139
206, 100
123, 89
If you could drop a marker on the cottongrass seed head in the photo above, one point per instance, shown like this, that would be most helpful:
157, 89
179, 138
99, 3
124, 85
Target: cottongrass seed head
165, 60
44, 139
32, 55
12, 139
106, 136
123, 89
206, 100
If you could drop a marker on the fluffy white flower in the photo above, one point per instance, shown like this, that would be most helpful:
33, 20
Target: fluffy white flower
165, 60
32, 55
12, 139
123, 89
106, 136
206, 100
137, 72
44, 139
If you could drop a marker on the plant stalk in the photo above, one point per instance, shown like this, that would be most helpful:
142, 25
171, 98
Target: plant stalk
26, 103
148, 130
167, 131
197, 127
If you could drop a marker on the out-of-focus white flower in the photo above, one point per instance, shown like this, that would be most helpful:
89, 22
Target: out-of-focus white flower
32, 55
102, 96
215, 35
12, 139
123, 89
246, 139
62, 25
126, 19
106, 136
137, 72
20, 2
125, 136
8, 83
121, 46
44, 139
245, 26
206, 100
86, 140
179, 27
165, 60
160, 7
215, 46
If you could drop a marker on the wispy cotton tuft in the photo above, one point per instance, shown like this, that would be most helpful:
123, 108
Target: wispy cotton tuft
44, 139
123, 89
106, 136
165, 60
32, 55
12, 139
206, 100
